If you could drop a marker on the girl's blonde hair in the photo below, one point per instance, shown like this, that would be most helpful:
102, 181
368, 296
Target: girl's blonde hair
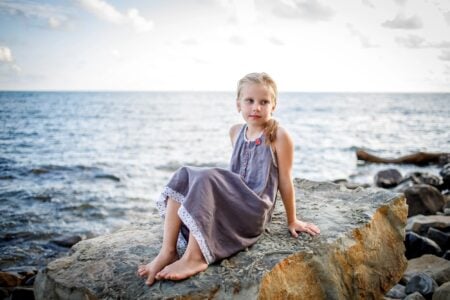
264, 79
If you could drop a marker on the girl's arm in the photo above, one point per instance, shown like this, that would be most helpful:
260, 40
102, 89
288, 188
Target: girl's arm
284, 149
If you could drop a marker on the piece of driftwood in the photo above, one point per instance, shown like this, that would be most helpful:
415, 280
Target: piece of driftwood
419, 158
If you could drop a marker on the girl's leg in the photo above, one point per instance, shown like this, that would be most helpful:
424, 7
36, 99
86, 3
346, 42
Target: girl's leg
168, 253
191, 263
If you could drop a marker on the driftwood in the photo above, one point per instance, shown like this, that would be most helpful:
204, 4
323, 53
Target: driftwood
419, 158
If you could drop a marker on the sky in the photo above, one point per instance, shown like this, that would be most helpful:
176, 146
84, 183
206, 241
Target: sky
184, 45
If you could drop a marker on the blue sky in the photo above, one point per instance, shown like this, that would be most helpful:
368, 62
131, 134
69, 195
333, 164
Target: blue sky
306, 45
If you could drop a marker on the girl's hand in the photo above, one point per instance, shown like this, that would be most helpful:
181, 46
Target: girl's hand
299, 226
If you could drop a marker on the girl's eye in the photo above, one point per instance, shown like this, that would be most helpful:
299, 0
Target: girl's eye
249, 100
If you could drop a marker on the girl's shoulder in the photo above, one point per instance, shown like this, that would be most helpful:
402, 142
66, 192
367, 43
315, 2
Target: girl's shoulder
283, 139
234, 131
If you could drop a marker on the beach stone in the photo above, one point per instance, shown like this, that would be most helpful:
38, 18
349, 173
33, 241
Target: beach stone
415, 296
403, 185
446, 255
22, 293
420, 224
436, 267
9, 279
67, 241
397, 292
421, 283
388, 178
423, 199
442, 292
425, 178
445, 173
441, 238
359, 254
417, 245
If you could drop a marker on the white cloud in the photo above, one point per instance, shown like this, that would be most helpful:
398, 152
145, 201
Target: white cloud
400, 2
402, 22
445, 55
368, 3
447, 17
276, 41
55, 17
364, 40
107, 12
237, 40
311, 10
416, 42
5, 54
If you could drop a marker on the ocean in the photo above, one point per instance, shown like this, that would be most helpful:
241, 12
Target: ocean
87, 163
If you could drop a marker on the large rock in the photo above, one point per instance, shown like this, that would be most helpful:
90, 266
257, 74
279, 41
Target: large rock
436, 267
423, 199
388, 178
359, 255
420, 224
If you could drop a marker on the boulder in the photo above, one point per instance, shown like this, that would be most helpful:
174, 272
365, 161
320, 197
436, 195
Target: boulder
423, 199
442, 292
424, 178
359, 254
436, 267
415, 296
441, 238
421, 283
388, 178
420, 224
417, 245
397, 292
445, 173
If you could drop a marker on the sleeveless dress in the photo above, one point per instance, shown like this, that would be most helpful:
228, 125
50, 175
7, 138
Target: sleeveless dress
225, 210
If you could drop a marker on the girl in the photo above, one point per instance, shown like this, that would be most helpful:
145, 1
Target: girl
219, 212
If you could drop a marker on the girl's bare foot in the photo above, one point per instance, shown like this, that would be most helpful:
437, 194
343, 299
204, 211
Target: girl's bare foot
183, 268
158, 263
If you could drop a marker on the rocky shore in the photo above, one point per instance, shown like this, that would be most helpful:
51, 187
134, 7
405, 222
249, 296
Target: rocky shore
427, 239
359, 255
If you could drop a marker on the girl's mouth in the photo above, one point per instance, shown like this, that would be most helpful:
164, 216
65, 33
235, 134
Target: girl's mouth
254, 116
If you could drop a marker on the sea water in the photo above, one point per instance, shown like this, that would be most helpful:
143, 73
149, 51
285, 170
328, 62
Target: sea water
87, 163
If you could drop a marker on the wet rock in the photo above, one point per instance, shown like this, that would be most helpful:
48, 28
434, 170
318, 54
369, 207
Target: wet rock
360, 254
425, 178
388, 178
436, 267
442, 292
417, 245
446, 255
403, 185
421, 283
415, 296
22, 293
441, 238
420, 224
423, 199
9, 279
350, 185
445, 173
67, 241
397, 292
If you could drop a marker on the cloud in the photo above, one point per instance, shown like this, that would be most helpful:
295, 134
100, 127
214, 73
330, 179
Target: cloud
364, 40
53, 16
368, 3
275, 41
445, 55
237, 40
7, 61
311, 10
447, 17
400, 2
105, 11
417, 42
402, 22
5, 54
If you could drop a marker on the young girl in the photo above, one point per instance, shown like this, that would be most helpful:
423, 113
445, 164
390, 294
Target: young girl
218, 212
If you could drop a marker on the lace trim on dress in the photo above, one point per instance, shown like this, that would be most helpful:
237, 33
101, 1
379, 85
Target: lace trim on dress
187, 220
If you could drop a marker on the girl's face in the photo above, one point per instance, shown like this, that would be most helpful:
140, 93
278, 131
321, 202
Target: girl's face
256, 104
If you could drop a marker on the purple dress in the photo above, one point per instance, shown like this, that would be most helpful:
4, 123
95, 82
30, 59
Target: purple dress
226, 210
